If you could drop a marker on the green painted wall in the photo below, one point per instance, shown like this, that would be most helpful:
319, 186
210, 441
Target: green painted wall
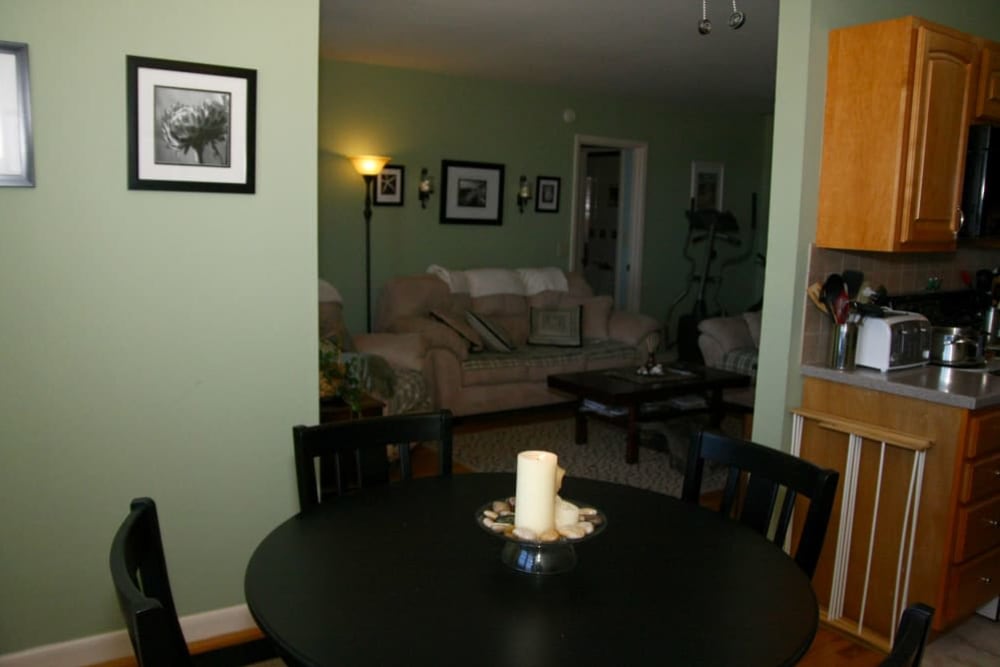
157, 344
420, 119
798, 130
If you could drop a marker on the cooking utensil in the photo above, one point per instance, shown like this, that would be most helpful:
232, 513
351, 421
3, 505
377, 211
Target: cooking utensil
955, 346
853, 280
991, 324
842, 302
832, 288
815, 293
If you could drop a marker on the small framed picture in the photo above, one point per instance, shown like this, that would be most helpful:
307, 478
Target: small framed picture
706, 186
191, 126
547, 194
471, 193
17, 153
390, 185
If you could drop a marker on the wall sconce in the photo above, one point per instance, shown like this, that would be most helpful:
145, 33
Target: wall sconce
369, 166
425, 188
523, 193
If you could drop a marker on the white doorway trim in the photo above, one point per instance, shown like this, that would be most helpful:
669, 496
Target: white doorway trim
637, 201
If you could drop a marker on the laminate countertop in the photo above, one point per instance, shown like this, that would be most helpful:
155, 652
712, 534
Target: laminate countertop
972, 389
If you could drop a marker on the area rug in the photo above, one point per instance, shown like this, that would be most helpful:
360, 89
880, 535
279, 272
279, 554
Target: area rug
662, 454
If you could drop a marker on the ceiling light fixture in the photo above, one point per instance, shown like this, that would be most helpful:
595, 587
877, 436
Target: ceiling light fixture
736, 19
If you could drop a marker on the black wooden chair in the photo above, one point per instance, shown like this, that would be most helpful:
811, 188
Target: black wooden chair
139, 572
753, 499
355, 450
911, 637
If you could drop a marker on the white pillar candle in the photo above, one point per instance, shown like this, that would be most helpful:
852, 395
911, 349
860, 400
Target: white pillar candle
536, 491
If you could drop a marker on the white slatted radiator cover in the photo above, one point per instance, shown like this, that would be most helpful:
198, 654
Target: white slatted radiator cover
858, 433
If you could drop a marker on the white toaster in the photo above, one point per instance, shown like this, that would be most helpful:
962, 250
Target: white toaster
898, 340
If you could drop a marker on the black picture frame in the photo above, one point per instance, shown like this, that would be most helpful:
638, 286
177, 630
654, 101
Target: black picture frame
17, 161
547, 194
390, 186
471, 193
191, 126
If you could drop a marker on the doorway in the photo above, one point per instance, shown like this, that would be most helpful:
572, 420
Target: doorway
608, 216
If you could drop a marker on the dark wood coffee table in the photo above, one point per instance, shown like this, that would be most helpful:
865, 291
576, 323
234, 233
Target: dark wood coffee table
644, 398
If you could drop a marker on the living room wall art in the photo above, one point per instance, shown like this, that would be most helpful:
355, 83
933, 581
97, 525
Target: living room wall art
390, 185
547, 194
17, 153
706, 186
191, 126
471, 193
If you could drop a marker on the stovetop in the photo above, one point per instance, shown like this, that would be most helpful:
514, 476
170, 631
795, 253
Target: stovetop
953, 308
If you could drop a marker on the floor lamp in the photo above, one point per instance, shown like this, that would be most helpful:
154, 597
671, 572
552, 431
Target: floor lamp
369, 166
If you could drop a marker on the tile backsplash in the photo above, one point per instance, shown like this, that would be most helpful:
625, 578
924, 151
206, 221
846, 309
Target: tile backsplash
900, 273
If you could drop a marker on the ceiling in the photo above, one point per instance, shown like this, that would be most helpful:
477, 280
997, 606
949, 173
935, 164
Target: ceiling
645, 48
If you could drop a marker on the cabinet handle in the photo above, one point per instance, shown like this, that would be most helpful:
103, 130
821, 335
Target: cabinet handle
961, 220
986, 580
996, 473
993, 523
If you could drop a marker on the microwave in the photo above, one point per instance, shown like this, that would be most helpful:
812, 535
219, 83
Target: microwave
981, 187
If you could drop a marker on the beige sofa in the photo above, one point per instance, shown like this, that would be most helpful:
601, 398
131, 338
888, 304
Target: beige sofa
731, 343
467, 380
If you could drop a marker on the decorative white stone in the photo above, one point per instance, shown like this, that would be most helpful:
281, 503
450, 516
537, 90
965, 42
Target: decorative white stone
573, 532
490, 514
501, 506
526, 534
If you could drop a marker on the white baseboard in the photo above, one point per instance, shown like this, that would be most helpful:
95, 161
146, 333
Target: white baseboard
112, 645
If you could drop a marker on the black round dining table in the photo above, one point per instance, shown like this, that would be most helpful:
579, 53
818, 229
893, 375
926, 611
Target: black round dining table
403, 575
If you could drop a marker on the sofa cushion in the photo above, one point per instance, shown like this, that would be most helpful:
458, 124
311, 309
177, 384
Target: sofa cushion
556, 326
457, 323
494, 336
483, 282
596, 312
752, 318
435, 333
731, 332
742, 360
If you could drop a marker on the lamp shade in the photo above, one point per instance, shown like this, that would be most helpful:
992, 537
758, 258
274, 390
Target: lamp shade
369, 165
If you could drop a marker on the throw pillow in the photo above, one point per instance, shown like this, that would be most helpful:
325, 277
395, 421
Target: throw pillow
461, 328
494, 336
556, 326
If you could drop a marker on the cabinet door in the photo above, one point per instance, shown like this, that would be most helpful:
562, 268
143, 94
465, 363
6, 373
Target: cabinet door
940, 111
898, 102
988, 99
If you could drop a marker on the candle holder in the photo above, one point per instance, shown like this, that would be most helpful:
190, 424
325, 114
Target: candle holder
536, 556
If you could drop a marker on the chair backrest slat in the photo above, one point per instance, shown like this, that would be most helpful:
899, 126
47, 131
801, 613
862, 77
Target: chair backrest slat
772, 474
139, 573
364, 441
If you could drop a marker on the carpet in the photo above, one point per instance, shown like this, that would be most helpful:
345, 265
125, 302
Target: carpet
662, 452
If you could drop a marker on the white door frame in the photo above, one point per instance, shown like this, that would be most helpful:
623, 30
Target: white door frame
637, 201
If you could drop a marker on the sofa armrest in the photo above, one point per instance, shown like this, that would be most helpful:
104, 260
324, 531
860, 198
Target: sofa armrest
631, 328
435, 334
400, 350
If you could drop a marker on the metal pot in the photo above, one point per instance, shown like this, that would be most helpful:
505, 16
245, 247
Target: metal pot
955, 346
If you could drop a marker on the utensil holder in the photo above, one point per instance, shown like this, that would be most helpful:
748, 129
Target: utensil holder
843, 342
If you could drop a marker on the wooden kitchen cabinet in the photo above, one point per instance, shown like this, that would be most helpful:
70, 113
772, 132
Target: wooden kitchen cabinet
988, 96
955, 557
898, 105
